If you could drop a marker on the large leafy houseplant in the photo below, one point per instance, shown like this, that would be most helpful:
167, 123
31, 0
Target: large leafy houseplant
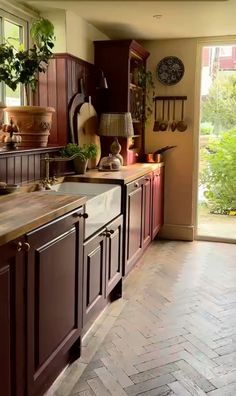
21, 66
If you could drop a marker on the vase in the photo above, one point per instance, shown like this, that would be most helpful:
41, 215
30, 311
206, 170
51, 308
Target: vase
33, 122
80, 166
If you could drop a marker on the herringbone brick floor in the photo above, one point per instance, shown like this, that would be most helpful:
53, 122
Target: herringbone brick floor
173, 333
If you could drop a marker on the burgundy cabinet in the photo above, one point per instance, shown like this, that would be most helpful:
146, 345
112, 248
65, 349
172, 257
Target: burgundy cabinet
157, 201
102, 268
134, 223
114, 253
94, 276
12, 319
54, 294
147, 209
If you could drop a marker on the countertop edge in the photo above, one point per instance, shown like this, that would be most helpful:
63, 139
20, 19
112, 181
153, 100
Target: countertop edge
41, 220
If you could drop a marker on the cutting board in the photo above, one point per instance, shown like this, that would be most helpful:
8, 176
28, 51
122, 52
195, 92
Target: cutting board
87, 129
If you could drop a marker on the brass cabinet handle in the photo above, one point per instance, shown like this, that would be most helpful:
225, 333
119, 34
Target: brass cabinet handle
136, 184
25, 246
19, 246
109, 233
84, 215
147, 178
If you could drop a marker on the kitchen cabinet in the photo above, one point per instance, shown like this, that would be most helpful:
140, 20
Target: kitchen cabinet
147, 210
12, 318
134, 223
102, 268
157, 201
125, 93
54, 298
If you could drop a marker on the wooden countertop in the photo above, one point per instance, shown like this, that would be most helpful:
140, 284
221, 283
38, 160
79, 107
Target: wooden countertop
23, 212
126, 175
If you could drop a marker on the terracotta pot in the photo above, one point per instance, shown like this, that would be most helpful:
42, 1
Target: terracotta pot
80, 166
34, 123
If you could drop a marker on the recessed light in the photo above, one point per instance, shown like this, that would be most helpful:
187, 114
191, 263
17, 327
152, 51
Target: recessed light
157, 16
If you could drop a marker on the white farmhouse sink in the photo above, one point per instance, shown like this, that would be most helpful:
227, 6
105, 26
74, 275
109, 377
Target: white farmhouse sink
103, 202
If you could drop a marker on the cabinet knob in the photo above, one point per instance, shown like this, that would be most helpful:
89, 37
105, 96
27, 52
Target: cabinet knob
25, 246
109, 233
147, 178
84, 215
136, 184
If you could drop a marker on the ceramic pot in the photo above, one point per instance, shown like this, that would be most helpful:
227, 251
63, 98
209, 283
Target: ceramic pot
34, 124
80, 166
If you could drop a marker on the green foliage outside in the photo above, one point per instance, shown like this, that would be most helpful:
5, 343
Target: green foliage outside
206, 128
219, 107
85, 152
18, 65
218, 173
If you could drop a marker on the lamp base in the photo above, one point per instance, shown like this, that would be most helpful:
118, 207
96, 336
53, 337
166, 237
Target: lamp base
115, 150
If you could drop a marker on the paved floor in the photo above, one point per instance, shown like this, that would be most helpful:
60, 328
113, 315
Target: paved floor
173, 332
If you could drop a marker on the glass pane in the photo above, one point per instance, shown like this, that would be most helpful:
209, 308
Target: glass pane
12, 34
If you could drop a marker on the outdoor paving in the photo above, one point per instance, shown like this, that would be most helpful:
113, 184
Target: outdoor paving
216, 225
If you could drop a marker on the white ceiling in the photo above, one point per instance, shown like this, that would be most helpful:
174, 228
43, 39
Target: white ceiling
134, 19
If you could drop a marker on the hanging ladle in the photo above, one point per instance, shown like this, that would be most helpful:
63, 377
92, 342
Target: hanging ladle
181, 125
156, 122
174, 123
163, 124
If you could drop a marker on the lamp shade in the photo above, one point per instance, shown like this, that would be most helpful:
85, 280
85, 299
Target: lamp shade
116, 124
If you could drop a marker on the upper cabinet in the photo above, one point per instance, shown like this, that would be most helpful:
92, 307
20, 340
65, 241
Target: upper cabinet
123, 63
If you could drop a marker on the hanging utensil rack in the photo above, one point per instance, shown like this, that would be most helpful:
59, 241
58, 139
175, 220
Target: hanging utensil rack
168, 125
170, 98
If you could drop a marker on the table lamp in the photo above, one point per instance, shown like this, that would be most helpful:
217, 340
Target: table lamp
116, 125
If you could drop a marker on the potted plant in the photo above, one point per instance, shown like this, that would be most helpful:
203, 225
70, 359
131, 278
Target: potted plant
21, 66
83, 154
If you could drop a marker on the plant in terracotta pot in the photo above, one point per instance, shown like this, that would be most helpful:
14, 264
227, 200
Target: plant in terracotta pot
21, 66
82, 155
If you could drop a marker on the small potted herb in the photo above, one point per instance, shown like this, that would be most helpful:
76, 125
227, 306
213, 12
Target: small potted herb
83, 154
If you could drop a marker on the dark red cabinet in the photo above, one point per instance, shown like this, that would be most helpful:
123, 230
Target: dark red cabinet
134, 223
102, 268
147, 210
157, 201
54, 294
12, 319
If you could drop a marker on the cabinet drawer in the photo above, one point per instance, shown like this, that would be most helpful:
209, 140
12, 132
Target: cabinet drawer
135, 185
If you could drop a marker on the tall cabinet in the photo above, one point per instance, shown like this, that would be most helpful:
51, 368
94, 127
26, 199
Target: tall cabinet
123, 61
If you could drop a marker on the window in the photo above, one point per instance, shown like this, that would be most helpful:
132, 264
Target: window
14, 30
226, 51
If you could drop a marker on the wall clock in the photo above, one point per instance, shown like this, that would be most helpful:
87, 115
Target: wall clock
170, 70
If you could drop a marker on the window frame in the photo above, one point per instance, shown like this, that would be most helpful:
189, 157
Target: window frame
24, 37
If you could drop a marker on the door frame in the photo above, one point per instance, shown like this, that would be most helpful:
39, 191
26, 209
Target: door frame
211, 42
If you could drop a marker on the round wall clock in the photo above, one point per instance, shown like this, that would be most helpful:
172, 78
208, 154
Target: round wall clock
170, 70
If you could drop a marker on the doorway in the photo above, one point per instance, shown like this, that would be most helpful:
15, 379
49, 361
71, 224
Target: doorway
216, 206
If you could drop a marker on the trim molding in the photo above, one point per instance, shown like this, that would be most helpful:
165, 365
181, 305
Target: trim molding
177, 232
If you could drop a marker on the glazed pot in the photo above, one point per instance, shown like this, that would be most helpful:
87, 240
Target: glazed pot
34, 124
80, 166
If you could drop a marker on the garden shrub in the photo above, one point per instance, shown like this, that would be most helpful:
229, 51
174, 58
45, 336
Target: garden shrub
206, 128
218, 173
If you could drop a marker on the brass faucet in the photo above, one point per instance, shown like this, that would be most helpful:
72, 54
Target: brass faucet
48, 181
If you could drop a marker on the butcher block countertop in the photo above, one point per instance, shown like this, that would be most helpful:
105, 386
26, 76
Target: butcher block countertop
126, 175
23, 212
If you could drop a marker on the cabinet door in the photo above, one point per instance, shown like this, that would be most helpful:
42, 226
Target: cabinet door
54, 298
114, 240
147, 207
12, 319
94, 277
134, 222
158, 201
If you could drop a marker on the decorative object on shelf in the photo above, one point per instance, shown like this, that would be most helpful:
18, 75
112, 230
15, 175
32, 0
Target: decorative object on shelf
82, 155
11, 136
162, 125
2, 106
116, 125
22, 66
170, 70
110, 163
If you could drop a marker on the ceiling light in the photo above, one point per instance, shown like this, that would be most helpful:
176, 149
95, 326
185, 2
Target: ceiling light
157, 16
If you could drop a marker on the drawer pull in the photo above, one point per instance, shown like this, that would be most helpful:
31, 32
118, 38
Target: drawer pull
147, 178
26, 246
136, 184
84, 215
19, 246
23, 246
